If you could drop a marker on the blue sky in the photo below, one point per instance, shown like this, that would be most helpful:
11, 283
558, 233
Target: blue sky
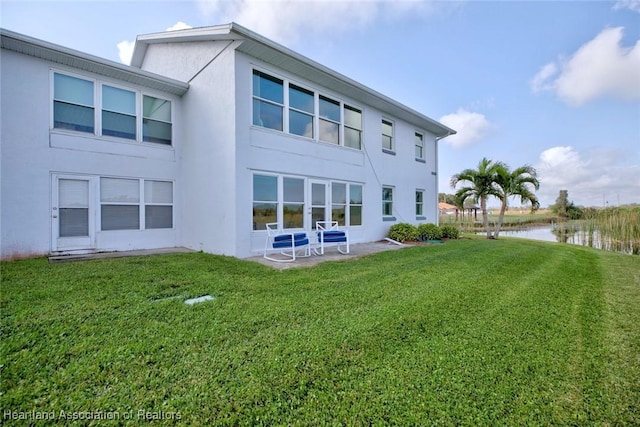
552, 84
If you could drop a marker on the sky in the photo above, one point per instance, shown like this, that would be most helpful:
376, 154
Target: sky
550, 84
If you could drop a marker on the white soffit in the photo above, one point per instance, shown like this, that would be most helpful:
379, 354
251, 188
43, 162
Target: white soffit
82, 61
266, 50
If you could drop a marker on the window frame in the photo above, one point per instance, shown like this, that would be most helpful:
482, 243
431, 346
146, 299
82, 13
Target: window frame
357, 130
387, 202
141, 204
99, 109
282, 201
329, 120
296, 110
135, 115
147, 203
55, 99
419, 145
420, 203
317, 119
142, 119
391, 124
257, 98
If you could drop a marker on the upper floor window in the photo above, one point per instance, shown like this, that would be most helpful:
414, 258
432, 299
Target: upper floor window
268, 101
387, 135
419, 145
301, 111
352, 127
304, 112
73, 103
156, 120
329, 120
116, 113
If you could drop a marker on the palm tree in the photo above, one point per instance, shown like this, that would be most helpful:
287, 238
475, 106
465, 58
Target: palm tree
515, 183
482, 184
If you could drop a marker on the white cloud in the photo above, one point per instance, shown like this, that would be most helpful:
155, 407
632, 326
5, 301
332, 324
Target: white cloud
285, 20
633, 5
591, 178
471, 127
600, 68
541, 81
125, 47
179, 26
125, 51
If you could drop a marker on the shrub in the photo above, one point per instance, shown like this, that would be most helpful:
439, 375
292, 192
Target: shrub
450, 231
403, 232
429, 232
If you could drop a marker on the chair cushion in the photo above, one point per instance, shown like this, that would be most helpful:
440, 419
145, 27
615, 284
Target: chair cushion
332, 236
296, 236
282, 243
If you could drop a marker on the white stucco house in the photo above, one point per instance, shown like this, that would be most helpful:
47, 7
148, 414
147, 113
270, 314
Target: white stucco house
210, 134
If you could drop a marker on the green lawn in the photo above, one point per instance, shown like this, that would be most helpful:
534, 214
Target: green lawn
472, 332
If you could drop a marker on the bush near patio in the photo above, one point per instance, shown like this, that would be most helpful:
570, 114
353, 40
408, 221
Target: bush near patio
403, 232
429, 232
474, 332
449, 231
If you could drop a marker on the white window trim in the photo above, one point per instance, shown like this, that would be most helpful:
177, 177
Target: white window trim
392, 188
391, 150
420, 215
142, 203
97, 110
316, 114
423, 157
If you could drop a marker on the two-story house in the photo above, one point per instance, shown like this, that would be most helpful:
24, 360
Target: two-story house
210, 134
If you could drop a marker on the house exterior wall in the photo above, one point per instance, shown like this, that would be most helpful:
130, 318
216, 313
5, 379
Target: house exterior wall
216, 152
208, 161
32, 155
262, 150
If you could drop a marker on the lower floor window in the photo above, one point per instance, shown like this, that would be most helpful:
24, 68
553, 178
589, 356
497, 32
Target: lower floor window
134, 204
387, 201
298, 202
419, 202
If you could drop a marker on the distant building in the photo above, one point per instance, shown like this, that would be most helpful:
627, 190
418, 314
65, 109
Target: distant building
447, 209
208, 135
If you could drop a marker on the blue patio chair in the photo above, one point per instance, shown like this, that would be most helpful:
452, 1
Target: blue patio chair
288, 245
330, 235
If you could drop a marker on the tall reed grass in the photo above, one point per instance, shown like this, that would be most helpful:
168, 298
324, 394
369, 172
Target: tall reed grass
615, 228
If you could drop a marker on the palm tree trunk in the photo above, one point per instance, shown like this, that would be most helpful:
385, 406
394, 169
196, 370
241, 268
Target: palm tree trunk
485, 219
503, 208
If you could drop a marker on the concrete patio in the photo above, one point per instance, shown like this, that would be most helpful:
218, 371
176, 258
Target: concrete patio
331, 254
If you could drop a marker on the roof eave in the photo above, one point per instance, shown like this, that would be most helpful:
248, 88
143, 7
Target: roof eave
61, 55
267, 50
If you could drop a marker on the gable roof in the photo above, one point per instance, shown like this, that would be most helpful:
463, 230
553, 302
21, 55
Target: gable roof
275, 54
83, 61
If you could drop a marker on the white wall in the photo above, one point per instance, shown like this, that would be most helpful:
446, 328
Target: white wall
208, 162
267, 150
31, 153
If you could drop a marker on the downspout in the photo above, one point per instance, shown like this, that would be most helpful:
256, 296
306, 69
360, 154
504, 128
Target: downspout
436, 172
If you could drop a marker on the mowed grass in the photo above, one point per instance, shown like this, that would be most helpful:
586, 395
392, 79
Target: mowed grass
472, 332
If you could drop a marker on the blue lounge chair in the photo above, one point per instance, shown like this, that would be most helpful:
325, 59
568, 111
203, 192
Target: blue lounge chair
288, 245
330, 235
